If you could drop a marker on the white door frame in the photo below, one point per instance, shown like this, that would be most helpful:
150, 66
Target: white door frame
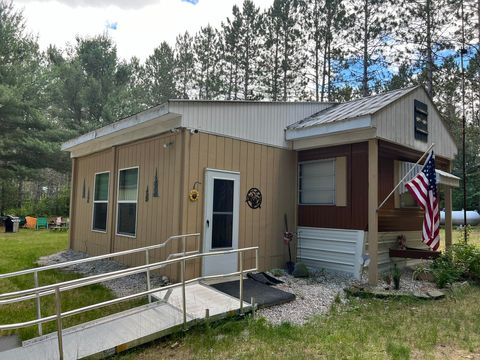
219, 264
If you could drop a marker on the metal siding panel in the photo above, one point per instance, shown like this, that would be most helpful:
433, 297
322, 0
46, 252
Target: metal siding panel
395, 123
331, 249
262, 123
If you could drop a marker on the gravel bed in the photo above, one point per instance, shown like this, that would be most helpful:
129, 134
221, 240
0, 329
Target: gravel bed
407, 284
314, 295
121, 287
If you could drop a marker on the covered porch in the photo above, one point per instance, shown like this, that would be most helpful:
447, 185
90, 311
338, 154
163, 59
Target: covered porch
350, 158
394, 214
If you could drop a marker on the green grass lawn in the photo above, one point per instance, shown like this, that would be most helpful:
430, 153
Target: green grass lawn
360, 329
457, 236
21, 251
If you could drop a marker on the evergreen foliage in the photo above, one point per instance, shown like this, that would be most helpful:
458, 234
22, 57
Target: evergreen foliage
323, 50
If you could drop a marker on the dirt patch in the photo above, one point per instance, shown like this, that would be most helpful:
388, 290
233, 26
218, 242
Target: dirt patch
446, 352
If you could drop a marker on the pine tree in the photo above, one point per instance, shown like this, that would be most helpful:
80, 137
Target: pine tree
159, 75
249, 47
231, 31
28, 139
208, 50
371, 33
423, 32
325, 24
284, 58
184, 65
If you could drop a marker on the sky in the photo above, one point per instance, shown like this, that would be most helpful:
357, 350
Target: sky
137, 26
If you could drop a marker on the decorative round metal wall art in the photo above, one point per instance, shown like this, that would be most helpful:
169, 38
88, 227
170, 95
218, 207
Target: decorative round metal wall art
254, 198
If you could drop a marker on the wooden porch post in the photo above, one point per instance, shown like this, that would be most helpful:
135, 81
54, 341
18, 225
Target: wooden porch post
448, 217
372, 211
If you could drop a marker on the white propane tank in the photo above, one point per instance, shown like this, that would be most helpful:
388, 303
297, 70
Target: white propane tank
473, 217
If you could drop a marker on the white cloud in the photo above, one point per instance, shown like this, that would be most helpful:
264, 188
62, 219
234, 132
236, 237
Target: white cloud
139, 29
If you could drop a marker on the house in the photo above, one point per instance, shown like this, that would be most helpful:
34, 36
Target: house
258, 168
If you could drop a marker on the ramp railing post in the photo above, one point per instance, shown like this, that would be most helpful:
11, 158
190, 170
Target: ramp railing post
256, 259
147, 262
184, 300
37, 303
58, 308
241, 282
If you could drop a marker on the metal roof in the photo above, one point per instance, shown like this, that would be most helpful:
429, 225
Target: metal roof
351, 109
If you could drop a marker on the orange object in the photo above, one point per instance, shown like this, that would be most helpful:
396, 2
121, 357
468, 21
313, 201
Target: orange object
31, 222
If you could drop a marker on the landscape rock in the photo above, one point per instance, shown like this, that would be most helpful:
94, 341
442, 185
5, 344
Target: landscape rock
436, 294
121, 287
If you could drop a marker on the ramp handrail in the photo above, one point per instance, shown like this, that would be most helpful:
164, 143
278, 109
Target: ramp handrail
58, 288
145, 249
95, 258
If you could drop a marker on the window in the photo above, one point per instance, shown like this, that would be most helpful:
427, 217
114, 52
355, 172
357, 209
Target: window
127, 202
317, 182
100, 202
404, 199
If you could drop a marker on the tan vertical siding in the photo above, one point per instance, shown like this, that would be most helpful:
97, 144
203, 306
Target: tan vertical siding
267, 168
157, 218
270, 169
82, 236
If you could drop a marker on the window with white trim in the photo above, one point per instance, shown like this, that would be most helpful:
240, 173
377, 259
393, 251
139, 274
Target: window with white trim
127, 202
316, 182
100, 202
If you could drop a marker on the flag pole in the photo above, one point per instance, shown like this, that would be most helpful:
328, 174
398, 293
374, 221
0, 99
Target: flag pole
406, 175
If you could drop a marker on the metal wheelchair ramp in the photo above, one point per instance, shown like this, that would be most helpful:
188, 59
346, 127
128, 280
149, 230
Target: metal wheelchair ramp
119, 332
177, 306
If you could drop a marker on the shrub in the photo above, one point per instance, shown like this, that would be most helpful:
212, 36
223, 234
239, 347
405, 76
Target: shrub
461, 261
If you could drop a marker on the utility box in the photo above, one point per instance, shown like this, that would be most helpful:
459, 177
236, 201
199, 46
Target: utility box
12, 223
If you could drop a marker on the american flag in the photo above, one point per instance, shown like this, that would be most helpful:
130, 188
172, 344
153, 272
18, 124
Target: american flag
423, 188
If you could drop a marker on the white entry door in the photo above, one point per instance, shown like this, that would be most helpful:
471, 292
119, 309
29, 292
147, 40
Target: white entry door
222, 190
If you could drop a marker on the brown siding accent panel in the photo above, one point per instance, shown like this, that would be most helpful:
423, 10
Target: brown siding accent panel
354, 214
390, 217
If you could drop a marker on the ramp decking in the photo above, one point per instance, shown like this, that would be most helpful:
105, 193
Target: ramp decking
118, 332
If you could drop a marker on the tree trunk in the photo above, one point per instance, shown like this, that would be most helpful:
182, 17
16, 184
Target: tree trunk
275, 73
2, 198
20, 194
429, 50
329, 70
324, 72
478, 20
247, 68
365, 51
317, 49
285, 63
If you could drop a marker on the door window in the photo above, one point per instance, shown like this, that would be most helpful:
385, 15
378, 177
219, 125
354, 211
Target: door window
222, 221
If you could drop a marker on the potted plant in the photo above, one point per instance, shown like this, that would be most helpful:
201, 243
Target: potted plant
396, 274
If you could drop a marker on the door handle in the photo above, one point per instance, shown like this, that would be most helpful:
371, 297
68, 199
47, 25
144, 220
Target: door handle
208, 223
